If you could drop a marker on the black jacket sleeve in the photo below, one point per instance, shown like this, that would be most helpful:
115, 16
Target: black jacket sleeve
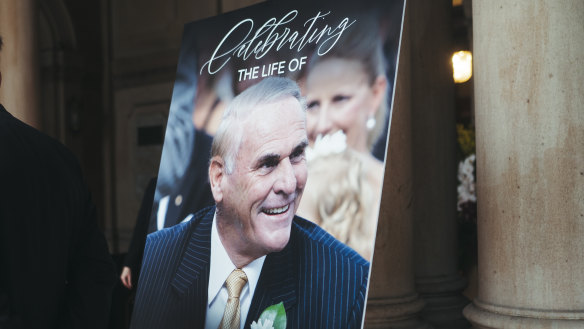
133, 259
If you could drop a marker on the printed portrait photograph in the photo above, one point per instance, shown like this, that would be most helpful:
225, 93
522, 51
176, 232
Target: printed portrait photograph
267, 198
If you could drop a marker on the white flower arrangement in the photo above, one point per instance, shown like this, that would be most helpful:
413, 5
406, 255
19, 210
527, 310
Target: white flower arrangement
466, 189
328, 144
263, 324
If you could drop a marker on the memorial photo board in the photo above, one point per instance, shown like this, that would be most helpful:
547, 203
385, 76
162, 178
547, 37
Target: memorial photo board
273, 164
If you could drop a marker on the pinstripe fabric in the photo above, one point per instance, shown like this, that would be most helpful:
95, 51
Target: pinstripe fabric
321, 281
172, 291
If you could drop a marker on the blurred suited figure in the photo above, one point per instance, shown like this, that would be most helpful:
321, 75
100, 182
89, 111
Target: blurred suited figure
182, 185
56, 268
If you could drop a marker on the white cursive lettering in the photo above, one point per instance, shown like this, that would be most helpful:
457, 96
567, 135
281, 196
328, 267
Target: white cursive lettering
274, 34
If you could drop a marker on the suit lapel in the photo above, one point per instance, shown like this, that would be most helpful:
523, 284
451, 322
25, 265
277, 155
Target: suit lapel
192, 274
278, 282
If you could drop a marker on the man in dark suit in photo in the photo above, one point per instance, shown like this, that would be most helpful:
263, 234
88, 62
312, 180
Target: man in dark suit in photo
56, 271
229, 262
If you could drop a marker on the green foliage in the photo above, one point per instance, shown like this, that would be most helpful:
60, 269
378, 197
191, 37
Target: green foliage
466, 139
277, 314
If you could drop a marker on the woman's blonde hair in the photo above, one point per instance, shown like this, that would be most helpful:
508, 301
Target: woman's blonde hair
344, 202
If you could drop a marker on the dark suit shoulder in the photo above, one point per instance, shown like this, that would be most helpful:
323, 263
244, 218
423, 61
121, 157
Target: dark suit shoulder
171, 234
25, 142
330, 280
316, 234
67, 272
175, 265
179, 233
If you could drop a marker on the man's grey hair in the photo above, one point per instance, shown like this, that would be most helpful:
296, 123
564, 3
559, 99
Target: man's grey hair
229, 134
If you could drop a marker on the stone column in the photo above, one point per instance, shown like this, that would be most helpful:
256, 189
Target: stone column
529, 96
19, 60
393, 301
435, 165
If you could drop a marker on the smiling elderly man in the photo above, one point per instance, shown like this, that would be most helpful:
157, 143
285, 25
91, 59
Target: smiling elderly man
228, 263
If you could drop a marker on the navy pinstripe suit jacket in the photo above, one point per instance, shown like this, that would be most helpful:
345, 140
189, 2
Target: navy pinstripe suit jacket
321, 281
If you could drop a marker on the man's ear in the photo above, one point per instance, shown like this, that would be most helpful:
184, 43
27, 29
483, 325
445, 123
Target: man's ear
216, 175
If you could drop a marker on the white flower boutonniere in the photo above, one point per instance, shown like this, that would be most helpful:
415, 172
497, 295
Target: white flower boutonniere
262, 324
273, 317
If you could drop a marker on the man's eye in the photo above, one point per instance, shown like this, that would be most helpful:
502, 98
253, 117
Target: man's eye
269, 164
297, 155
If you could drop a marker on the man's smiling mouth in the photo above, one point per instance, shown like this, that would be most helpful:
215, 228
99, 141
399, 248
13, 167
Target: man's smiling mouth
277, 211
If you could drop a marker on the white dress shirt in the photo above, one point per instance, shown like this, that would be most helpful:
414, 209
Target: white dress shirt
161, 214
162, 207
220, 268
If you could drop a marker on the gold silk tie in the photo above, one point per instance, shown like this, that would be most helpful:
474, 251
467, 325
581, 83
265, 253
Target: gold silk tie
234, 283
